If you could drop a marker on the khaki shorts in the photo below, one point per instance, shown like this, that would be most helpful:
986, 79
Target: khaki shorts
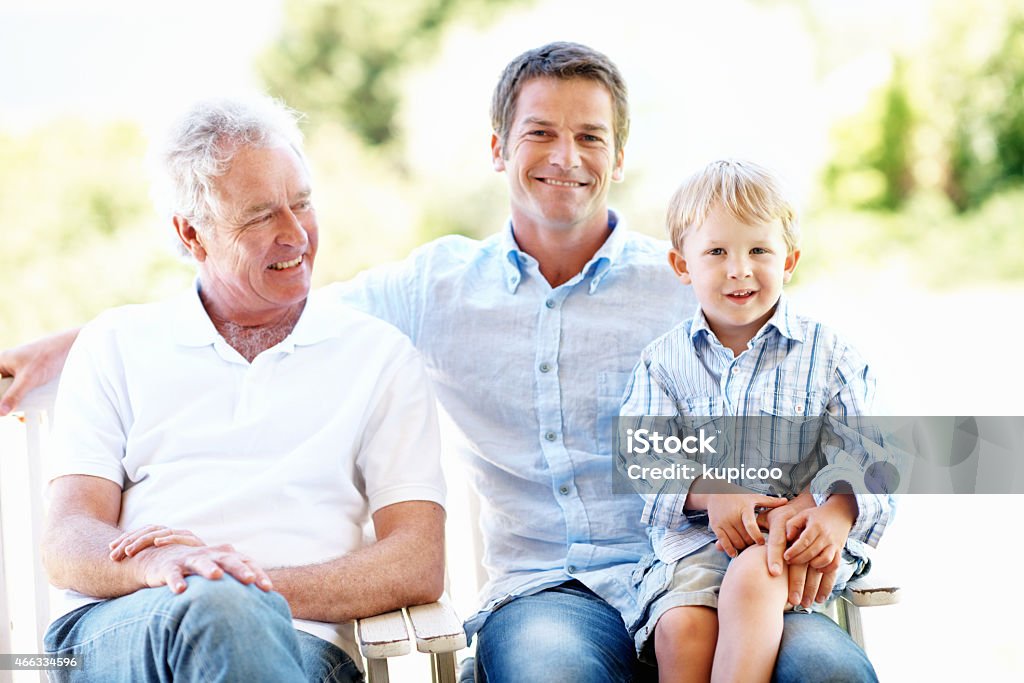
695, 580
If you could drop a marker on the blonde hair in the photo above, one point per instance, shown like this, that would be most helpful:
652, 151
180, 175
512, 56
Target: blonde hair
751, 193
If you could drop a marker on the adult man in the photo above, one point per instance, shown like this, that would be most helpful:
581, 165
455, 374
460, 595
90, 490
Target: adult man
519, 333
244, 412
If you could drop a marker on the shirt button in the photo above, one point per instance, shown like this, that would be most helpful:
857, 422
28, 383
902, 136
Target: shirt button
735, 370
564, 490
550, 303
799, 408
545, 367
571, 569
550, 436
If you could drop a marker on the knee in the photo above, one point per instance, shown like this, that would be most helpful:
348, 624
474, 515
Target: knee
681, 628
237, 607
747, 579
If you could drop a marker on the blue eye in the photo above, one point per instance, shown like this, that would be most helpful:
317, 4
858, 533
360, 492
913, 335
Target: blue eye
717, 251
759, 250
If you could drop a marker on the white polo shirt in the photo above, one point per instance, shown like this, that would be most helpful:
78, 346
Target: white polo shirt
284, 458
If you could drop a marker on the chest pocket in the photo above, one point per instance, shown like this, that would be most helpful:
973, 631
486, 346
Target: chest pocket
610, 387
788, 424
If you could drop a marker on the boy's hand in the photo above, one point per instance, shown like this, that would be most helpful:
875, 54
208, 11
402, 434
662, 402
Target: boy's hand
733, 519
774, 521
817, 535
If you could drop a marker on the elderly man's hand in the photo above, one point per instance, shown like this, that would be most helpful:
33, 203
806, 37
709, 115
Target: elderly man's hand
33, 365
131, 542
168, 565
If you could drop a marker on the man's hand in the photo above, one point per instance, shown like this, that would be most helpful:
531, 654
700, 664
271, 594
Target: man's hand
131, 542
774, 521
33, 365
808, 585
732, 518
818, 534
170, 564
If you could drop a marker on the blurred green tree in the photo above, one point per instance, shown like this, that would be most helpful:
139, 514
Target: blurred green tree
344, 59
872, 163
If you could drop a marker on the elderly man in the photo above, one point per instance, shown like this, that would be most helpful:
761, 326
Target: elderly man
220, 453
535, 376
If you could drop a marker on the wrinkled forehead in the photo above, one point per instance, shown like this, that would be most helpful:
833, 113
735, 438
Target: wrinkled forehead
258, 175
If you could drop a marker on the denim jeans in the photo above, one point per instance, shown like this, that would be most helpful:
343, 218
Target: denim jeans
215, 631
565, 633
814, 649
569, 634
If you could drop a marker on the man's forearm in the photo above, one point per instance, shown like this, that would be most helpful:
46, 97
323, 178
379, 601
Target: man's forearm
405, 568
33, 365
76, 554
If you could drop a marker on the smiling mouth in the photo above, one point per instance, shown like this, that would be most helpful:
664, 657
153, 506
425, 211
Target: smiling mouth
284, 265
742, 294
560, 183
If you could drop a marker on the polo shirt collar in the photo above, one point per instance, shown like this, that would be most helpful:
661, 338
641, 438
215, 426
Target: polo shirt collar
193, 327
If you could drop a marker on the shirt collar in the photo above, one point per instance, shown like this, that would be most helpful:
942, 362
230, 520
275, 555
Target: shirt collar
783, 319
597, 267
193, 326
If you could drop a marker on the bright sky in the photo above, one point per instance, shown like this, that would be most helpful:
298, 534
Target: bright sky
106, 58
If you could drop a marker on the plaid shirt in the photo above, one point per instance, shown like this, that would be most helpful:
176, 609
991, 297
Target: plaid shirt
794, 368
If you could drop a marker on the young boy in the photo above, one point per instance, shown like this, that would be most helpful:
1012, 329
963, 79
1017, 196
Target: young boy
747, 353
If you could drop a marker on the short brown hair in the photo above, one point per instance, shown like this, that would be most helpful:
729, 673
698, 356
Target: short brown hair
564, 61
751, 193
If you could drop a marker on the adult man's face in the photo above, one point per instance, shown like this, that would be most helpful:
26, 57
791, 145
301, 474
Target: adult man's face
560, 155
256, 258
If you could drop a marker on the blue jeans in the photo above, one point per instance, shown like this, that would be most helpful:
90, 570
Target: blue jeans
215, 631
815, 649
567, 633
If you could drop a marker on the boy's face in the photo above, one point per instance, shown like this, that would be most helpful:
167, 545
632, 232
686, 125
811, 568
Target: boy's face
737, 271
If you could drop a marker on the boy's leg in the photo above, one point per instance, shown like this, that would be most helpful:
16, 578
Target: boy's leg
750, 609
680, 621
214, 631
566, 633
684, 643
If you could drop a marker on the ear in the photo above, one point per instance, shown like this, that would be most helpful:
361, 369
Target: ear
619, 171
497, 152
678, 263
189, 236
790, 266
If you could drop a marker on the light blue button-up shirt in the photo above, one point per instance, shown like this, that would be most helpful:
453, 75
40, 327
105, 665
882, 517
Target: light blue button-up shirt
533, 376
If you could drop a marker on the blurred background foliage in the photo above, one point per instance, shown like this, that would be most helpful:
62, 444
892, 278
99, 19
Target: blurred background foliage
926, 176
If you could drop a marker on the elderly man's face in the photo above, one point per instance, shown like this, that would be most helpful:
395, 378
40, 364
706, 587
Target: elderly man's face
256, 259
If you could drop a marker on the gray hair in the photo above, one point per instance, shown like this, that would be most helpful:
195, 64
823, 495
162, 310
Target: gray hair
201, 145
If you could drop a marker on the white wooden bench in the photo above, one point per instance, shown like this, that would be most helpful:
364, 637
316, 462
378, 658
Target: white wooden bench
436, 628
